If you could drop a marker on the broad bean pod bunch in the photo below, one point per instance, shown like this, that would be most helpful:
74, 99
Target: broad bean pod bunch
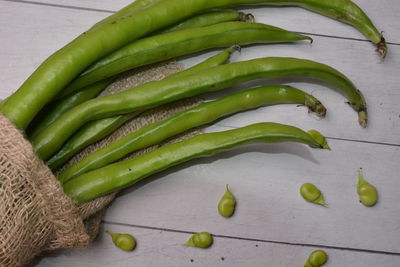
173, 44
156, 93
57, 109
63, 66
120, 175
96, 130
196, 116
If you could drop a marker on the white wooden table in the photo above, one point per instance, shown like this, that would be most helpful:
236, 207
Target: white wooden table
273, 225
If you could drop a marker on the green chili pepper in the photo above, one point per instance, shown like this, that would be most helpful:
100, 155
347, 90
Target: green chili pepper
96, 130
125, 173
317, 258
200, 240
60, 107
226, 206
156, 93
123, 241
64, 65
170, 45
312, 194
196, 116
367, 192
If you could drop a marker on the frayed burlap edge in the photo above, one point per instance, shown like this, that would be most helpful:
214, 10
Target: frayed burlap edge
35, 212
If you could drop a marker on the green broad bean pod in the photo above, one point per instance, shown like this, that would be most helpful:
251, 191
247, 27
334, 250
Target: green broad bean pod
211, 18
173, 44
123, 174
58, 108
123, 241
63, 66
96, 130
196, 116
156, 93
367, 193
200, 240
226, 205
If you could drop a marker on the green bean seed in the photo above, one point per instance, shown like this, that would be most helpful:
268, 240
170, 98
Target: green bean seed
317, 258
312, 194
200, 240
366, 192
226, 206
123, 241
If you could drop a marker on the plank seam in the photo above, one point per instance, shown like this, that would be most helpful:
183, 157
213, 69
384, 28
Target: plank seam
258, 240
60, 6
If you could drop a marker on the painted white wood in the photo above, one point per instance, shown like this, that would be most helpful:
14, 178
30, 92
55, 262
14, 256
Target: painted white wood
266, 181
162, 248
384, 15
39, 34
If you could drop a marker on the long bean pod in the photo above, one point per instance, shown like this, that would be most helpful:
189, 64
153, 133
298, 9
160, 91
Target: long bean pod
156, 93
211, 18
67, 63
98, 129
60, 107
196, 116
170, 45
123, 174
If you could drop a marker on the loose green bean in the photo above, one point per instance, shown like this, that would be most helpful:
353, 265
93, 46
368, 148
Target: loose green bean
317, 258
96, 130
64, 65
60, 107
123, 241
170, 45
123, 174
196, 116
367, 193
312, 194
156, 93
226, 205
200, 240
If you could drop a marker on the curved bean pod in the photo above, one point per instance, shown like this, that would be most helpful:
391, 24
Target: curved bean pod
60, 107
211, 18
170, 45
96, 130
125, 11
156, 93
123, 174
64, 65
196, 116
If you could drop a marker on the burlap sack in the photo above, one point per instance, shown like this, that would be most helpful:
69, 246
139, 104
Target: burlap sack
35, 213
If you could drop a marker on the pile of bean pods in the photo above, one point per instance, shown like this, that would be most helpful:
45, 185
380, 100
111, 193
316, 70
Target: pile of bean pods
58, 109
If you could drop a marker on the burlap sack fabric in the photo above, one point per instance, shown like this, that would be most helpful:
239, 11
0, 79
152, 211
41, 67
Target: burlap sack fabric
35, 214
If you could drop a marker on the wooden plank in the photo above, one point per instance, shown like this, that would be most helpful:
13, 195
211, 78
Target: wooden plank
163, 248
266, 181
384, 15
36, 39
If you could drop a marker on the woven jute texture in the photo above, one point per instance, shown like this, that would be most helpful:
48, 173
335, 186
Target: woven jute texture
35, 214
